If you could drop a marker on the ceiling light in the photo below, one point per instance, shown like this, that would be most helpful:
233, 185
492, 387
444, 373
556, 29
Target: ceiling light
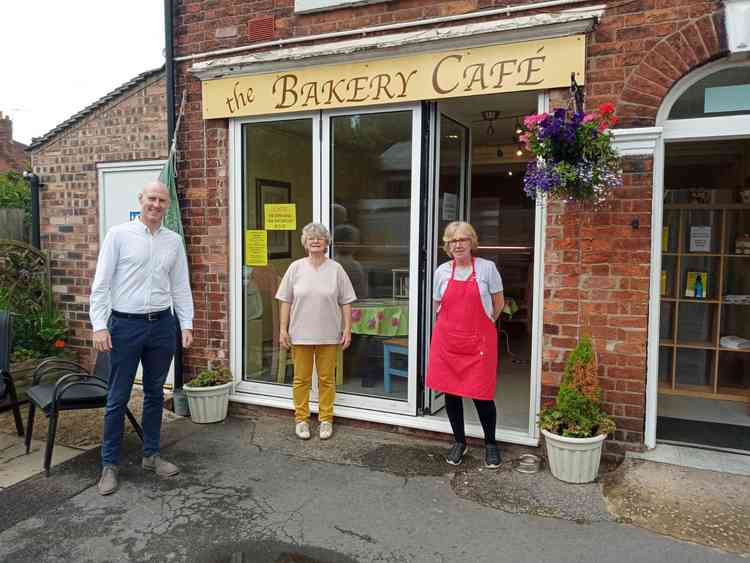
519, 152
510, 172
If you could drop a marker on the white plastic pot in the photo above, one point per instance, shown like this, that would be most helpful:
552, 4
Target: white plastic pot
574, 460
208, 404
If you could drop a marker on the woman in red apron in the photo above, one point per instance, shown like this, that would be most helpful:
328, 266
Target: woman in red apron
463, 352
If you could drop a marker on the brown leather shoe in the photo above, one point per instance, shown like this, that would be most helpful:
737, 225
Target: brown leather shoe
160, 466
108, 481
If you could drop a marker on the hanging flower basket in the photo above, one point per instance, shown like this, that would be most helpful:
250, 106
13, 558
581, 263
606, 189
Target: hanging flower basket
575, 158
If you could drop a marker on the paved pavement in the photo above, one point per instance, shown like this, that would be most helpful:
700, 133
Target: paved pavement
250, 491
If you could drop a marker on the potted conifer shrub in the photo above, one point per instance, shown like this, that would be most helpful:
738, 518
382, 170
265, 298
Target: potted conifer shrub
208, 394
575, 427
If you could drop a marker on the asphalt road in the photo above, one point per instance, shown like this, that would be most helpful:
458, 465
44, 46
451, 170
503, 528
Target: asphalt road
249, 491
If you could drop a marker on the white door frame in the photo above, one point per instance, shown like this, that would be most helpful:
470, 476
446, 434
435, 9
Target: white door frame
273, 394
273, 391
435, 400
343, 399
666, 131
531, 436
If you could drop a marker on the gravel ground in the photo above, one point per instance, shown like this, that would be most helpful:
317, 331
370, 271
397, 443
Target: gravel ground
689, 504
80, 428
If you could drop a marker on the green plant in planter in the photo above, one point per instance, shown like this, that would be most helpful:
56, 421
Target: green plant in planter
21, 354
577, 412
215, 374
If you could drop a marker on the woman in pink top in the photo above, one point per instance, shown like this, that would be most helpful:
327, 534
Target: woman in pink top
316, 318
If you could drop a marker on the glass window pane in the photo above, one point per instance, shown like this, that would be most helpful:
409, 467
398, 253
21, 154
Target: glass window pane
277, 168
722, 93
371, 170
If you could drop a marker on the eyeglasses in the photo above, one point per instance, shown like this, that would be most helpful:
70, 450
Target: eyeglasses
318, 239
456, 241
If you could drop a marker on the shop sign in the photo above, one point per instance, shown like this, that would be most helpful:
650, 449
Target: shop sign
533, 65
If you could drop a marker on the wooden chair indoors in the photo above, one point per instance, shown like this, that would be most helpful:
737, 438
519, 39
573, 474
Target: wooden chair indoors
59, 385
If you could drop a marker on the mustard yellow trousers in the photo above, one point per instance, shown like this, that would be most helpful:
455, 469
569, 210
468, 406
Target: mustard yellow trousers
323, 357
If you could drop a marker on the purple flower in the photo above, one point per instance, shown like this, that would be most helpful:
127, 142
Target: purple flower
539, 179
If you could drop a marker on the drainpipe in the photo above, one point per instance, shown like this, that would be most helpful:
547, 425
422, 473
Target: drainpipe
169, 69
179, 400
34, 184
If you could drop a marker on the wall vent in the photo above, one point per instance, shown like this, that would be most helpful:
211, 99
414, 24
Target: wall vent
260, 29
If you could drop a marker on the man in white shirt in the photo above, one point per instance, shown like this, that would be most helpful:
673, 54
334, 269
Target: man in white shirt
141, 274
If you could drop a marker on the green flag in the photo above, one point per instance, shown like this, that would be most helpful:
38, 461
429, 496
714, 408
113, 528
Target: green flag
168, 176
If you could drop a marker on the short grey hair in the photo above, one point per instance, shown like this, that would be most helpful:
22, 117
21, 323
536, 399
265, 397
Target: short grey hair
314, 230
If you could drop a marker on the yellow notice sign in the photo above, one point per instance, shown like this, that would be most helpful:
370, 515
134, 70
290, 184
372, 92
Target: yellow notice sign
256, 248
280, 216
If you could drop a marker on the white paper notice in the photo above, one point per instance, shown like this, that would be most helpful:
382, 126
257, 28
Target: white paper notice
700, 239
450, 207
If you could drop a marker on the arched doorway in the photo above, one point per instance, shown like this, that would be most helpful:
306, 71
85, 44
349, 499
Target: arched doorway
702, 195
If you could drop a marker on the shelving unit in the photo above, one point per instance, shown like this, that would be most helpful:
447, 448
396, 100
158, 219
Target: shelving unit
690, 354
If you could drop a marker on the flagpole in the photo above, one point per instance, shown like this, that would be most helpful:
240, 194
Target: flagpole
179, 402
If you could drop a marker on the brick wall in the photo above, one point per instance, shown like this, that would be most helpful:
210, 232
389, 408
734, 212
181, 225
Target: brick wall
130, 127
597, 264
12, 153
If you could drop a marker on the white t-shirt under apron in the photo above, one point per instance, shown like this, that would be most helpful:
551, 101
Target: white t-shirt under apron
488, 279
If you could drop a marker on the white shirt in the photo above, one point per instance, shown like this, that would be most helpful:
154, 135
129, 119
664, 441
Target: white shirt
138, 272
488, 279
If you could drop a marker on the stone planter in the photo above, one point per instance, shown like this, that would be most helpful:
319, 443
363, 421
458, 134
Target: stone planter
208, 404
573, 460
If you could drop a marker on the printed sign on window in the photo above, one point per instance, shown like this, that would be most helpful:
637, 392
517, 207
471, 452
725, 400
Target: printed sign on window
280, 216
256, 248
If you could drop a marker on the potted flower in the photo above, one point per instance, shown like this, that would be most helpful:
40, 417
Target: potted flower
208, 394
576, 426
575, 157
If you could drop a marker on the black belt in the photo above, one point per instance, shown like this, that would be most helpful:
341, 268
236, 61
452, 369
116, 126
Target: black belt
152, 316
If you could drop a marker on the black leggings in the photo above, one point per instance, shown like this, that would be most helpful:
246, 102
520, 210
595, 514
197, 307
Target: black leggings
487, 416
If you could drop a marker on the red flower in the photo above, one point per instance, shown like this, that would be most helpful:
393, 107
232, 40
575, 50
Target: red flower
607, 108
59, 344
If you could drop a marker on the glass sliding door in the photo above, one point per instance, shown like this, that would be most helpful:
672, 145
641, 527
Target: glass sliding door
451, 167
370, 201
277, 164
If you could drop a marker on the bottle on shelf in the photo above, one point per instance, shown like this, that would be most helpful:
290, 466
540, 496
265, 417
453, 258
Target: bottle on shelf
699, 287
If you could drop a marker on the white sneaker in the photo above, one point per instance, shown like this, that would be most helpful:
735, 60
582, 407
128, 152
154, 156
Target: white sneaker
302, 430
326, 430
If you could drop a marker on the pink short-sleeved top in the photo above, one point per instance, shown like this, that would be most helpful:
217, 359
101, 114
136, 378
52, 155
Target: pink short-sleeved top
316, 297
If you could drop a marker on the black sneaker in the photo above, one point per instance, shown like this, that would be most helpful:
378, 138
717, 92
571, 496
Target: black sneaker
456, 454
491, 456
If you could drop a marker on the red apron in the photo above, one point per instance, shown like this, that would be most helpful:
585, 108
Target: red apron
463, 352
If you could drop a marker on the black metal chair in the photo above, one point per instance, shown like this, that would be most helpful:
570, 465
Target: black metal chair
71, 388
8, 393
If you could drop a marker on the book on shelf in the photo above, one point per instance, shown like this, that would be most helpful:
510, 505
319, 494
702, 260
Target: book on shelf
663, 282
700, 239
696, 285
665, 238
